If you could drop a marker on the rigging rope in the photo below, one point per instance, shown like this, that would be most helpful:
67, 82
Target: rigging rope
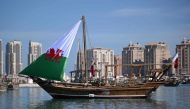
88, 37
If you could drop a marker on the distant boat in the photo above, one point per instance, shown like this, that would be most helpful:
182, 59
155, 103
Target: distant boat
173, 82
12, 86
185, 79
48, 71
2, 87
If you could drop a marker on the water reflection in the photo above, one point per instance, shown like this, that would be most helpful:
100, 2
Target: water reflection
100, 104
36, 98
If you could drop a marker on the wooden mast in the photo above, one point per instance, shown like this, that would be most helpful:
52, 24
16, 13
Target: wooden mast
85, 58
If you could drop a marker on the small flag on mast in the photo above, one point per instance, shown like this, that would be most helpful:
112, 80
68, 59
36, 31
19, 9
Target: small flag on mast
175, 61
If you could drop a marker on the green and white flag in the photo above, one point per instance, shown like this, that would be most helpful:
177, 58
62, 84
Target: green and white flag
51, 64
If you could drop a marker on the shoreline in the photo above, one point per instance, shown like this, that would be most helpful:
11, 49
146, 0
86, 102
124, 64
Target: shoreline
29, 85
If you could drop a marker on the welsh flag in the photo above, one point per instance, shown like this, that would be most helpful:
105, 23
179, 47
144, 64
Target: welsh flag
51, 64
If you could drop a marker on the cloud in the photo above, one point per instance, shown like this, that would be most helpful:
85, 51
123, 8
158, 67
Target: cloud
133, 12
161, 12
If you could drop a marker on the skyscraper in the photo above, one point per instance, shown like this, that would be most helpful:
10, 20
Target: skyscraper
35, 50
101, 57
1, 57
155, 54
131, 54
183, 51
13, 57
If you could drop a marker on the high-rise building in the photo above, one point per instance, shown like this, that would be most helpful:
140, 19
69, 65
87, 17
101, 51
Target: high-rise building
101, 57
131, 54
183, 51
1, 57
13, 57
155, 54
118, 61
35, 50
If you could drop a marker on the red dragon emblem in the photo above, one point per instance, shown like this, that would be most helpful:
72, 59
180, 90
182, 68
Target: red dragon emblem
51, 55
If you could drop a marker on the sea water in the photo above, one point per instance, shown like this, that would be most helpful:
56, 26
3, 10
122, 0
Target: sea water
37, 98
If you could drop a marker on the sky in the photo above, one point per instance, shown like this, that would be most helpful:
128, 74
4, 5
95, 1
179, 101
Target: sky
110, 23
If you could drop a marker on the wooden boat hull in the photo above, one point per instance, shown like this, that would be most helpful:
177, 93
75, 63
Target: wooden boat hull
60, 91
63, 96
155, 85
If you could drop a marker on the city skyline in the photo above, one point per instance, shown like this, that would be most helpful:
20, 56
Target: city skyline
38, 46
110, 24
35, 49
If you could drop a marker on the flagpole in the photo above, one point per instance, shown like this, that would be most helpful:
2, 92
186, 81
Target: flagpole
85, 58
